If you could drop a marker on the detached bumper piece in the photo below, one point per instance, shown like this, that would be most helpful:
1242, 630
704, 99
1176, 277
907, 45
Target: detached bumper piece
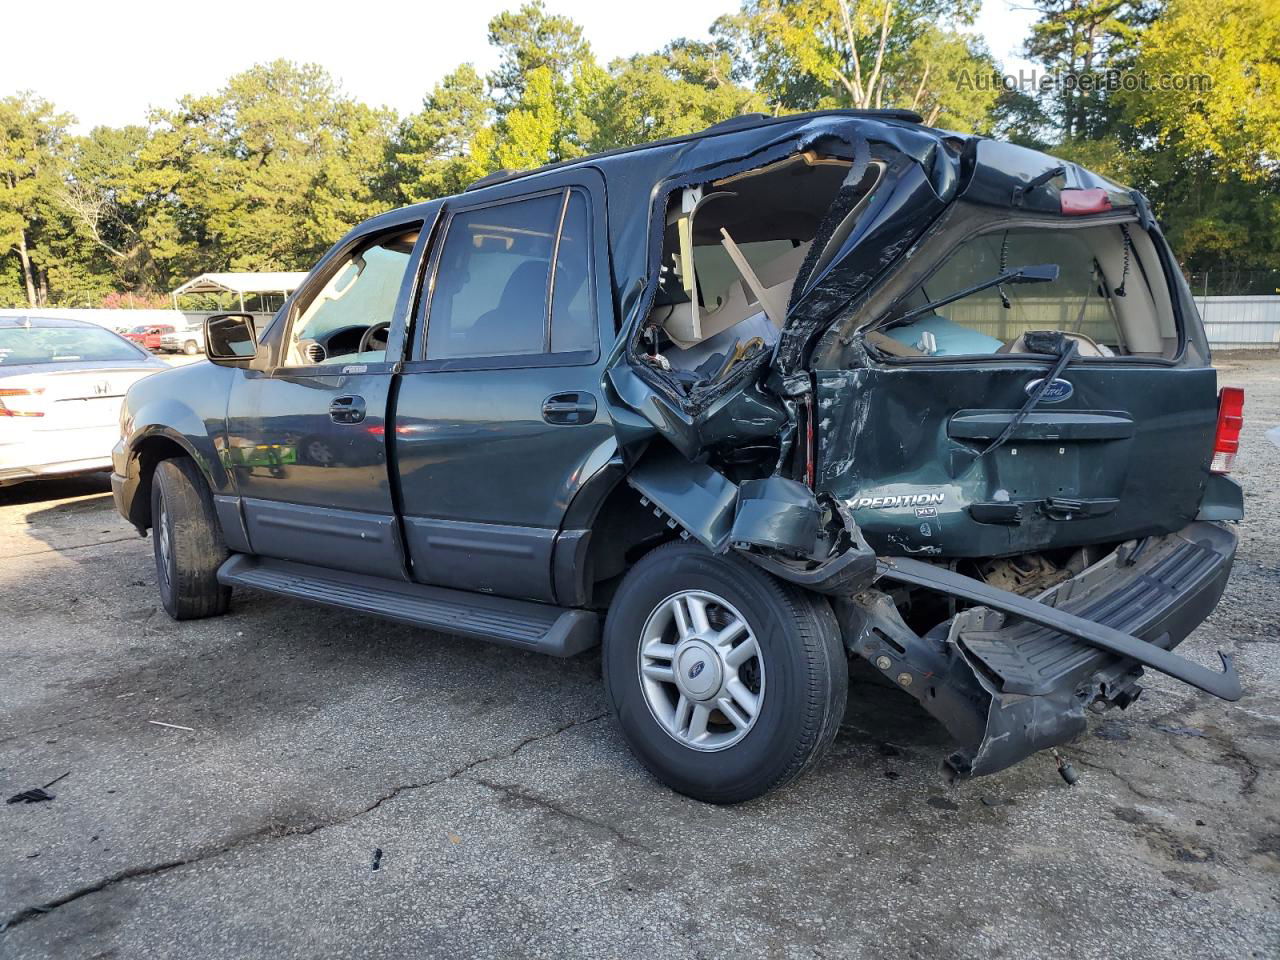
1014, 675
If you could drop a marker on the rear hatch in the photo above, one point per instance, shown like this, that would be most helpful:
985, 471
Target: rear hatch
926, 422
1125, 455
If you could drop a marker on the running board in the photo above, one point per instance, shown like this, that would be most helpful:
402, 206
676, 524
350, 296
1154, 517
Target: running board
539, 627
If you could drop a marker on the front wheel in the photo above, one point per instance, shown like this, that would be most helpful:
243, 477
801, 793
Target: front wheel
727, 682
190, 348
187, 542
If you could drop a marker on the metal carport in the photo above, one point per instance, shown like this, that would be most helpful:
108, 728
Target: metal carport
283, 282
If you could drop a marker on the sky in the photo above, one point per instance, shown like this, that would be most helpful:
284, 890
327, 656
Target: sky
112, 61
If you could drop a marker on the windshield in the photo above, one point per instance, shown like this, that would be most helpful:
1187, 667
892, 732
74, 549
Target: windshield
21, 345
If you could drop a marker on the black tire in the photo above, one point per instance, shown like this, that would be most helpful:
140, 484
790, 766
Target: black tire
802, 652
190, 348
187, 542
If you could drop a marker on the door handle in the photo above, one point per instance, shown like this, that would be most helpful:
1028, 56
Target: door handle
569, 408
347, 410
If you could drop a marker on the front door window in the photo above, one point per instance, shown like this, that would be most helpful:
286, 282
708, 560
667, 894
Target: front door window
348, 320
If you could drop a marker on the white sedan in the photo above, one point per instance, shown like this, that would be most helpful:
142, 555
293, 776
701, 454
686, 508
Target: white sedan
61, 386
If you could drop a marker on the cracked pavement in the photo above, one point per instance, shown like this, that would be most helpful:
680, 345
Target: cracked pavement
512, 821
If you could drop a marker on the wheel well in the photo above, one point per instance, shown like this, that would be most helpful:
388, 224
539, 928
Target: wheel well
622, 531
147, 456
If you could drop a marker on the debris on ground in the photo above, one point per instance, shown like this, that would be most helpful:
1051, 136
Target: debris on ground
1179, 731
37, 794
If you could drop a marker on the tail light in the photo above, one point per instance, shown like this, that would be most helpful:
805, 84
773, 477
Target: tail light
1226, 442
1076, 202
7, 411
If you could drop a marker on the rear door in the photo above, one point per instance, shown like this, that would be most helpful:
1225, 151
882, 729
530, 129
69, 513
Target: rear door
499, 415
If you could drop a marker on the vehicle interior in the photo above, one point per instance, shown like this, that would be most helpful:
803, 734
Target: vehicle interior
348, 320
731, 254
1109, 296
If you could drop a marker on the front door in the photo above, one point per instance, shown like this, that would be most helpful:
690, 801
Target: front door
306, 440
500, 418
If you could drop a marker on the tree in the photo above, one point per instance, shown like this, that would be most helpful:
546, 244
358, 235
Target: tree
106, 207
1227, 56
265, 173
1209, 154
531, 38
683, 89
30, 152
546, 74
1083, 38
449, 143
813, 54
528, 135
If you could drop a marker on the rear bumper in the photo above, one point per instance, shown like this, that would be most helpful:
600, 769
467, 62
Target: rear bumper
1006, 687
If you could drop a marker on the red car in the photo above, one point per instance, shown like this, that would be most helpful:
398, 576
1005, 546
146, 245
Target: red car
148, 335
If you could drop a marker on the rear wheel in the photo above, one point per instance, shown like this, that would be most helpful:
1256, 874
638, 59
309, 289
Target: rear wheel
727, 682
187, 542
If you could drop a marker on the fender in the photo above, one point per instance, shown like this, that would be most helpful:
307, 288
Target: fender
165, 408
187, 405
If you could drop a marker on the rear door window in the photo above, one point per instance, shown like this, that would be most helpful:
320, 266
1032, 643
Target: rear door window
494, 294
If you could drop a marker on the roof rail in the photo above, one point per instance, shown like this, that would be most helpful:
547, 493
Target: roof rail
496, 177
742, 122
752, 119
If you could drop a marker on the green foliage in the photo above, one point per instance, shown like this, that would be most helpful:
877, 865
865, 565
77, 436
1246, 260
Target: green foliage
813, 54
1077, 37
683, 89
531, 128
530, 39
1235, 123
31, 135
266, 173
449, 143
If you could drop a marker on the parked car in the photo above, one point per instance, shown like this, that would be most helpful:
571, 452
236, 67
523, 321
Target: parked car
189, 341
148, 335
61, 386
741, 405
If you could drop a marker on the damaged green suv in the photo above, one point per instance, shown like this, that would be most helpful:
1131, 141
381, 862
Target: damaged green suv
741, 405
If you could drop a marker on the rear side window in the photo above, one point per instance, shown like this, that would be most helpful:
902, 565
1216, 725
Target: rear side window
495, 290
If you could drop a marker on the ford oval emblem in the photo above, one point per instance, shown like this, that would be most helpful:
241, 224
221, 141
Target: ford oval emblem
1056, 392
696, 669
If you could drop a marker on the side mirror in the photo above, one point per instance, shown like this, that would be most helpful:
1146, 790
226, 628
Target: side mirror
230, 337
1037, 273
